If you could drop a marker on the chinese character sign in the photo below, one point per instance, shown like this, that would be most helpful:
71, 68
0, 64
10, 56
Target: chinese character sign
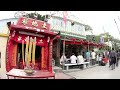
32, 23
102, 40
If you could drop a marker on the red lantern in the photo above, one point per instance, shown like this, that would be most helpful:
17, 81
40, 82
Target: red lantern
74, 39
81, 41
97, 45
58, 36
87, 42
90, 43
93, 43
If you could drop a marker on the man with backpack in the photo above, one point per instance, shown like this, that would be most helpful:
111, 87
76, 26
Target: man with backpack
118, 57
113, 57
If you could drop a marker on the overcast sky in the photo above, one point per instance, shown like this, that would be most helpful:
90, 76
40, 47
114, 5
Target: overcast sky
96, 19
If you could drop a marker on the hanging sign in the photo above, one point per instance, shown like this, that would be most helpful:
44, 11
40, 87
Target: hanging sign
101, 40
30, 23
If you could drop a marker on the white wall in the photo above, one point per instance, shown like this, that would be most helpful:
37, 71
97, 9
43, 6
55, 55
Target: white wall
57, 24
3, 42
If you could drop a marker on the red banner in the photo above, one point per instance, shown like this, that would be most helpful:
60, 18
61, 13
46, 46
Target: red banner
14, 54
33, 23
39, 40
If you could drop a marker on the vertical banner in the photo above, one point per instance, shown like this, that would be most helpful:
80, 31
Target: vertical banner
30, 48
14, 54
102, 40
23, 52
46, 56
33, 51
42, 58
50, 55
26, 51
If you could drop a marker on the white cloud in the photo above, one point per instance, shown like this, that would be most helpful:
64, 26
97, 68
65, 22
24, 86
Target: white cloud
99, 19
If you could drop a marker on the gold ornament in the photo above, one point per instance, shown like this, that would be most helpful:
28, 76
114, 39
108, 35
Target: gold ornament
34, 23
44, 25
19, 38
40, 41
24, 21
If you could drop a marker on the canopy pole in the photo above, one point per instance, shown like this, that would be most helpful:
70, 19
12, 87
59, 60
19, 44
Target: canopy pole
64, 49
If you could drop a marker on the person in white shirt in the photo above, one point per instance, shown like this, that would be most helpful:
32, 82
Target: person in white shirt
93, 55
73, 58
62, 59
80, 60
100, 59
97, 57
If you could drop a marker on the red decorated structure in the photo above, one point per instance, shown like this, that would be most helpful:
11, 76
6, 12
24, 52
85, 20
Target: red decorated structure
33, 28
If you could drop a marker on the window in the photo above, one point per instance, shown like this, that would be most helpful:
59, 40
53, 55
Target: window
61, 24
53, 22
79, 29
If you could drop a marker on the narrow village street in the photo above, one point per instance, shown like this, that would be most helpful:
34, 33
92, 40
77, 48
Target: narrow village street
97, 72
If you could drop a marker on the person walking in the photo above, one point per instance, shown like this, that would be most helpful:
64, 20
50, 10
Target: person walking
118, 57
87, 57
113, 57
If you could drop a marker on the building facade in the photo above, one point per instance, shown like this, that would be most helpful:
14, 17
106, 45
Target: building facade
77, 30
72, 31
4, 33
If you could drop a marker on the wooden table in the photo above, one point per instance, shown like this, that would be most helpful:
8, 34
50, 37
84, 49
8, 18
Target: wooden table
19, 73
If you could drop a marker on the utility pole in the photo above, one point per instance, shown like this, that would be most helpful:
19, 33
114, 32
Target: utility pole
104, 30
117, 28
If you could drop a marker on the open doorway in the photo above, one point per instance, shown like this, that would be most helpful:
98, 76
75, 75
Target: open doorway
37, 56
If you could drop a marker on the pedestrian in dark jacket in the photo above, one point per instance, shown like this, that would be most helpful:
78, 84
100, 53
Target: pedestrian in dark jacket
118, 57
113, 57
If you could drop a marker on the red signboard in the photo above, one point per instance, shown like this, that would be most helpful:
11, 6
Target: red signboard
33, 23
19, 38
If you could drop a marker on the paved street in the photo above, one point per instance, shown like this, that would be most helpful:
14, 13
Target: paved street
98, 72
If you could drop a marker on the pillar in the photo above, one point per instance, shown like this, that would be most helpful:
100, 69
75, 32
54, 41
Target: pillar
57, 61
50, 55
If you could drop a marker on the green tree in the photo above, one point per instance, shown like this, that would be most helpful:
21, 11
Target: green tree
37, 16
115, 42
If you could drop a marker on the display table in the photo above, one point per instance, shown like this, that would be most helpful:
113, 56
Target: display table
19, 73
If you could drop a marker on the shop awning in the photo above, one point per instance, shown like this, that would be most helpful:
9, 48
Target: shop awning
33, 30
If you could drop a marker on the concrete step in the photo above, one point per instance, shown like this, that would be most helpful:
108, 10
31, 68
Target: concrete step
61, 75
57, 69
